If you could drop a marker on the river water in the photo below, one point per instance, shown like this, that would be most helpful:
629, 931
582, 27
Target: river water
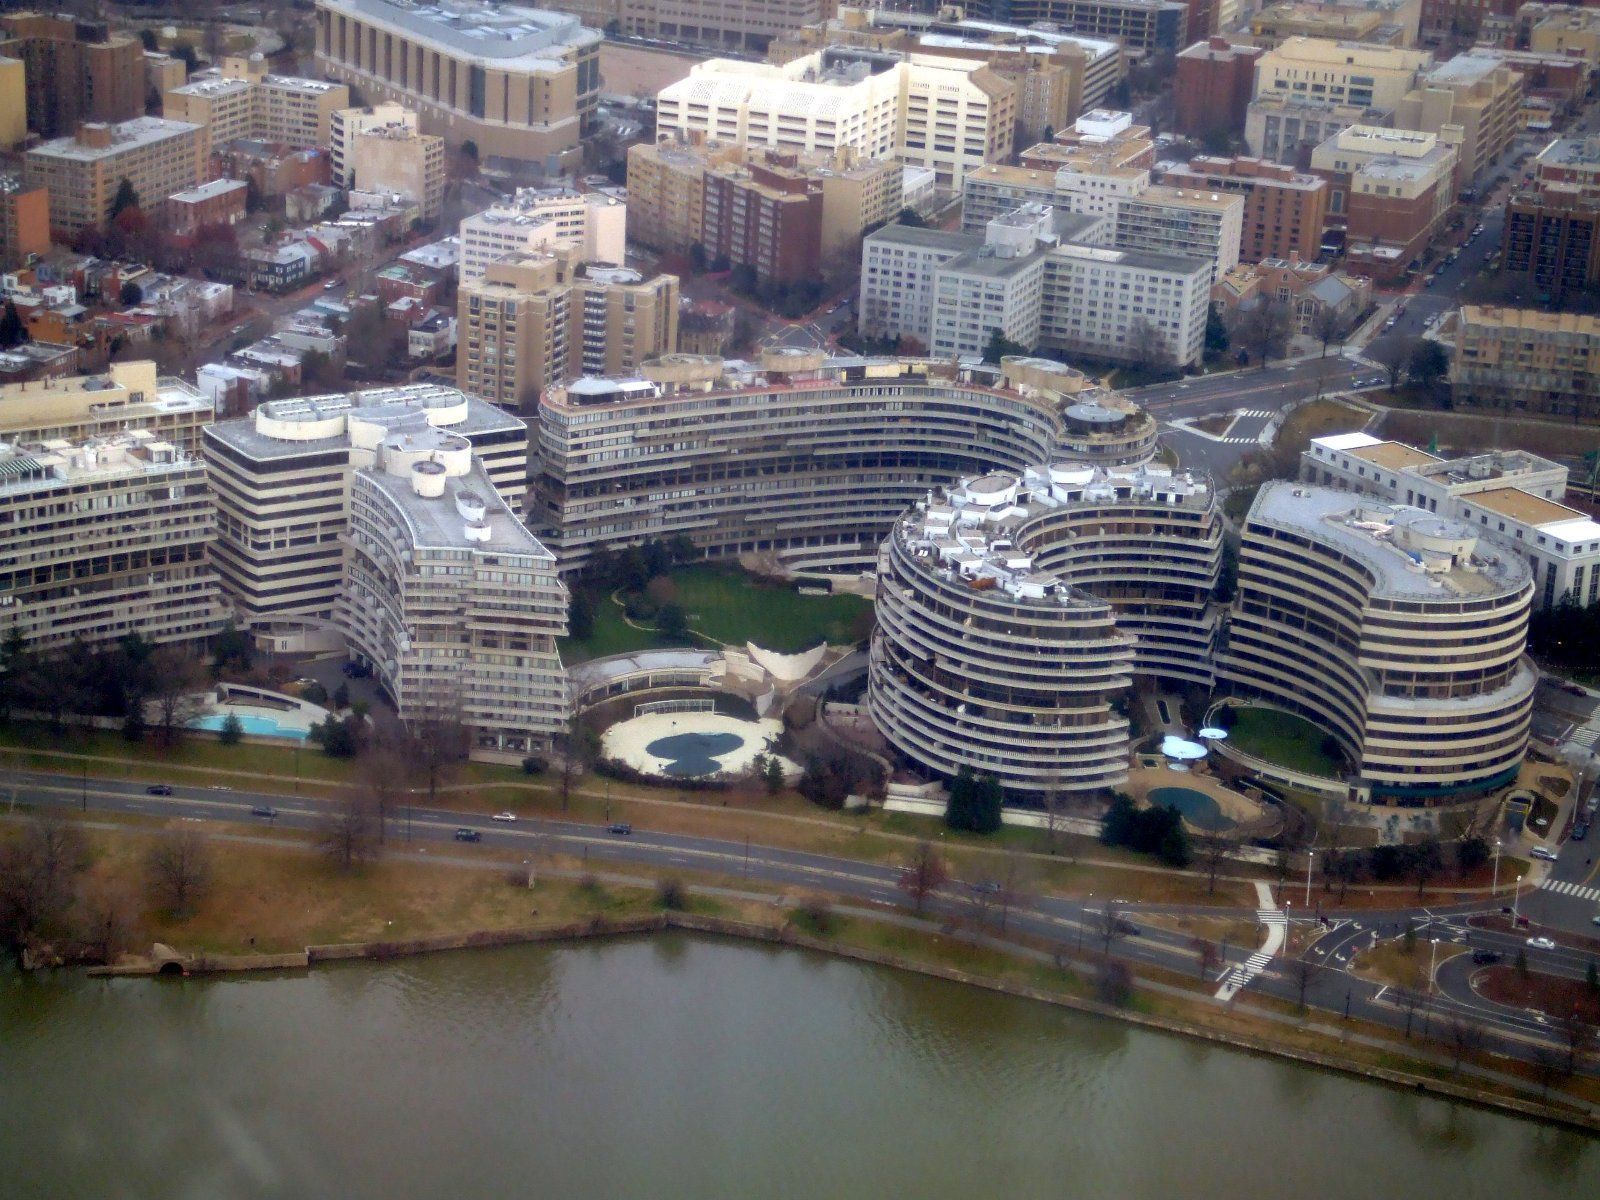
678, 1067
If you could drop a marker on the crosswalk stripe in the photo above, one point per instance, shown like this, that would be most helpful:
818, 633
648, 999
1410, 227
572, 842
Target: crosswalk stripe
1566, 887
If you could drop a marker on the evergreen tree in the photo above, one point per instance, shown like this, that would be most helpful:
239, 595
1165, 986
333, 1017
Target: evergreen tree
125, 198
232, 731
11, 328
1000, 346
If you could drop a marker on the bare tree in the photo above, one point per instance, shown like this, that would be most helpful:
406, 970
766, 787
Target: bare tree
175, 674
1265, 329
1054, 799
1547, 1064
385, 777
438, 743
348, 833
1148, 351
923, 875
1302, 971
1409, 1001
1465, 1037
1328, 327
1206, 957
1392, 354
1579, 1036
1113, 982
1013, 884
1213, 853
1109, 926
107, 929
38, 879
180, 871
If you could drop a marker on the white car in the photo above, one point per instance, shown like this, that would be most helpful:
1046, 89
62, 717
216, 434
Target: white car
1541, 943
504, 816
1544, 853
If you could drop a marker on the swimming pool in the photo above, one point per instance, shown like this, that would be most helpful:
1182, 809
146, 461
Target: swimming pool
1197, 808
251, 723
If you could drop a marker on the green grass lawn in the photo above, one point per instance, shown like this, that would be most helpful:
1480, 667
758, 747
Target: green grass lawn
1284, 739
731, 607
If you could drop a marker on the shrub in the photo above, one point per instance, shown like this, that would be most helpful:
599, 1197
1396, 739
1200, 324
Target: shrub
315, 693
672, 895
815, 917
534, 765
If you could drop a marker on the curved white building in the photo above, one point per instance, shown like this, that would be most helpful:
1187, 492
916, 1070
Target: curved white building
799, 455
1394, 629
448, 597
1014, 611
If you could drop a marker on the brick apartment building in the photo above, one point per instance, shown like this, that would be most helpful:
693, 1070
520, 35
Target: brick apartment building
765, 215
75, 71
1391, 189
1284, 209
1552, 241
220, 202
1213, 87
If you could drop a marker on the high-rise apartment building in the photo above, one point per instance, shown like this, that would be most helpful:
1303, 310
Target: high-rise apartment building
816, 206
13, 103
1340, 73
84, 173
946, 114
396, 158
24, 221
449, 599
1571, 162
345, 123
1551, 241
75, 71
548, 319
1284, 209
1524, 360
282, 482
1042, 279
1147, 26
1212, 88
518, 83
593, 224
103, 539
242, 99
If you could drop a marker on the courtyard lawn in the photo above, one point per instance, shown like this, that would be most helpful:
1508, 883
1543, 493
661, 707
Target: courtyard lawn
729, 605
1284, 739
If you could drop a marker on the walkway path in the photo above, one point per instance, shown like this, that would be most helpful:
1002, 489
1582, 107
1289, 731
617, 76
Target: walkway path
1276, 923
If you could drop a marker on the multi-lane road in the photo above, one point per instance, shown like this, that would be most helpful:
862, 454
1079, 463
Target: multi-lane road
1068, 922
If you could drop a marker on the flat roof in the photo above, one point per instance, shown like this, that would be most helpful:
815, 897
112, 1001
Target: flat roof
1523, 506
1331, 517
504, 35
1392, 456
125, 135
436, 521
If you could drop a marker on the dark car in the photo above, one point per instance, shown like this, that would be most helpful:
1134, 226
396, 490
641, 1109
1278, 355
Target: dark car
262, 810
987, 886
1580, 831
158, 789
468, 835
621, 828
1484, 957
1127, 927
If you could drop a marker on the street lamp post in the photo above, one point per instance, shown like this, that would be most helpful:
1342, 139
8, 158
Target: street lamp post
1515, 897
1287, 915
1083, 917
1494, 888
1311, 857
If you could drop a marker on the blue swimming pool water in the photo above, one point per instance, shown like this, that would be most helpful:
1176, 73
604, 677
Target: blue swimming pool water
693, 754
1197, 808
257, 726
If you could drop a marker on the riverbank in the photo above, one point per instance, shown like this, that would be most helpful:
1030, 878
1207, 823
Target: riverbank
569, 906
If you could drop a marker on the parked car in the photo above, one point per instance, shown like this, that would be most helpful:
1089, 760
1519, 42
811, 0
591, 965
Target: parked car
1484, 957
620, 828
1541, 943
1543, 852
263, 810
468, 835
504, 816
986, 886
1595, 920
1580, 831
158, 789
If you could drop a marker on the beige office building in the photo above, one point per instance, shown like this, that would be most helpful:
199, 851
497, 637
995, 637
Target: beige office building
242, 99
345, 123
1476, 93
519, 83
103, 539
1325, 72
83, 173
1376, 22
549, 318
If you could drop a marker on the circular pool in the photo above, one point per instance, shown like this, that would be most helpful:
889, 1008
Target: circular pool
690, 745
1197, 808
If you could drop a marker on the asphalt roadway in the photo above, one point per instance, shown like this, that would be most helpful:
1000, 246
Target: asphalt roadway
1073, 924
